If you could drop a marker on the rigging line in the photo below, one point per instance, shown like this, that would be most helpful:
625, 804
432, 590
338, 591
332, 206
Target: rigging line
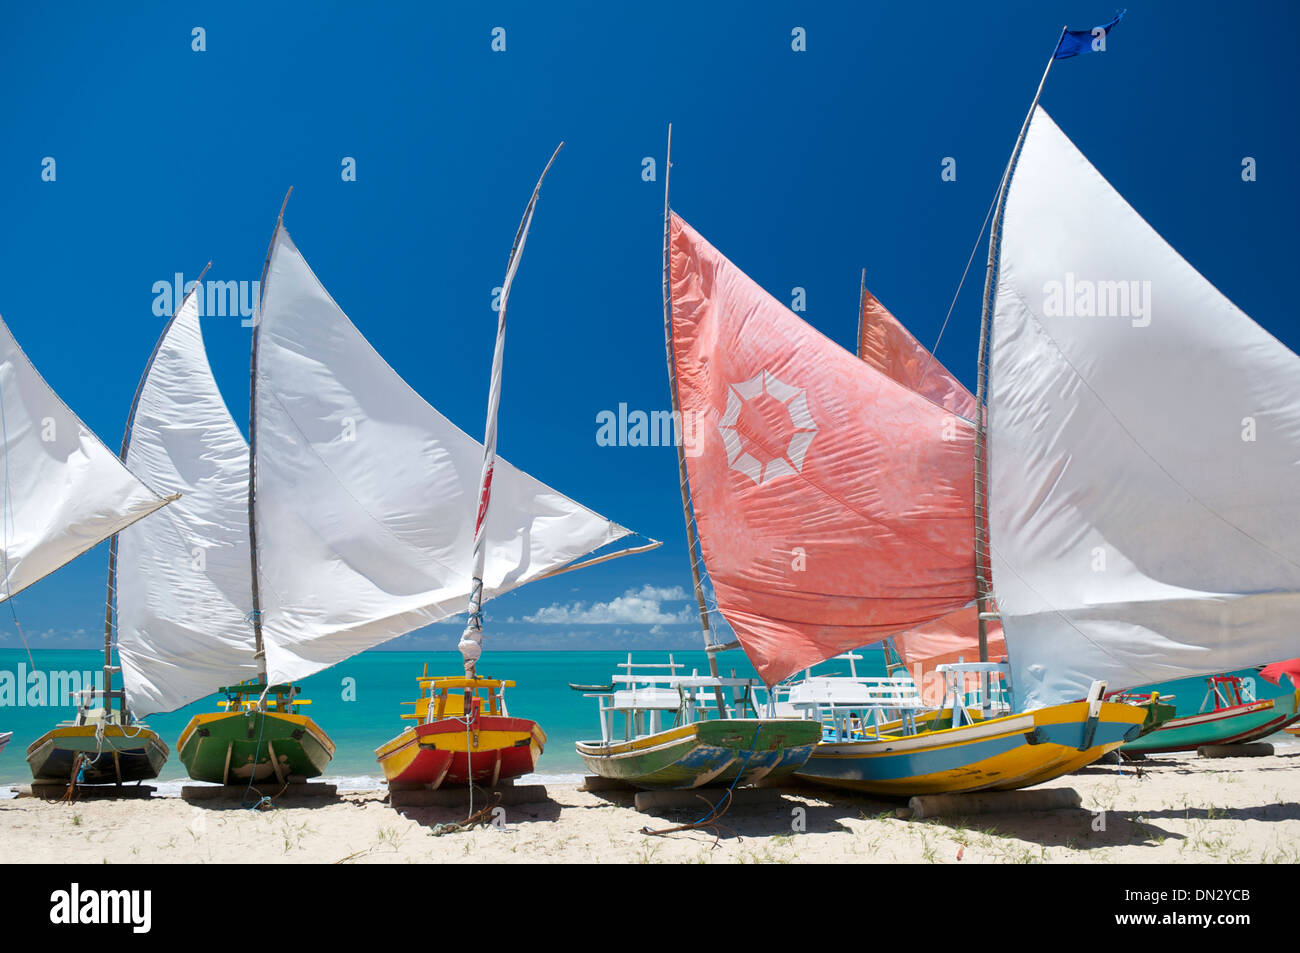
974, 249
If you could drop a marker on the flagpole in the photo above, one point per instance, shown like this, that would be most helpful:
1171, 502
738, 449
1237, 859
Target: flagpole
982, 587
471, 640
683, 483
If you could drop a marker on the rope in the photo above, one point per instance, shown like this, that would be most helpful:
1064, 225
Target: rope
710, 819
960, 284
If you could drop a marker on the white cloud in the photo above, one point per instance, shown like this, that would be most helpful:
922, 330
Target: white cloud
640, 607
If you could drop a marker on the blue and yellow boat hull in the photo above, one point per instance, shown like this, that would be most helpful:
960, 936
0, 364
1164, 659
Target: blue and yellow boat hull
999, 754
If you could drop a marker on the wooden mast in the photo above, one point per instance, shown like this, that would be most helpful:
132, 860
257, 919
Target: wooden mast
683, 483
471, 640
982, 582
259, 652
110, 602
862, 297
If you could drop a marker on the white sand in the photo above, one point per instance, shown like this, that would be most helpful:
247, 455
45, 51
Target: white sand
1180, 809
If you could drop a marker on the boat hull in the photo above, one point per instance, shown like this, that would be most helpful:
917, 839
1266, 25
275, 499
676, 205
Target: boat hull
118, 756
707, 752
443, 753
1237, 724
233, 747
4, 738
1000, 754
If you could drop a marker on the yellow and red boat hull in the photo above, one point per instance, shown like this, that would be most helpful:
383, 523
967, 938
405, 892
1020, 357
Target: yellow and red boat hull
492, 748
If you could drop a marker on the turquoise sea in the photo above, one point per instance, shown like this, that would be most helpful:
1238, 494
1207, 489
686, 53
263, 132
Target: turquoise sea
359, 702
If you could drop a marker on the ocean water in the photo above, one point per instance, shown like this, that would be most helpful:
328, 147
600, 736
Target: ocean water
359, 702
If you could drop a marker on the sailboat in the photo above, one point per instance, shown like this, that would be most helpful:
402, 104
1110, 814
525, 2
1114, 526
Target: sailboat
1229, 714
463, 732
933, 653
64, 493
336, 527
835, 508
661, 728
180, 589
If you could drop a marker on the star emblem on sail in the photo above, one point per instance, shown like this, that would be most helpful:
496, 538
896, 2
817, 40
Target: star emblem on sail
874, 537
788, 460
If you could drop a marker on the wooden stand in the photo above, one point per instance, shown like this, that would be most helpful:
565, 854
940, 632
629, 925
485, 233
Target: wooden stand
1257, 749
594, 783
238, 792
990, 802
701, 799
57, 791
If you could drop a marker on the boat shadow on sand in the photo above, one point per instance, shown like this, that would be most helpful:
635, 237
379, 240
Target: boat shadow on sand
756, 813
512, 815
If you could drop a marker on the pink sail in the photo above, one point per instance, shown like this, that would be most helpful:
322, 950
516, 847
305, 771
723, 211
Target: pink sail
890, 348
885, 344
953, 638
835, 507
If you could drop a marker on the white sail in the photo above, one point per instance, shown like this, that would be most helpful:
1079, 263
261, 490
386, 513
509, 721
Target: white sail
1145, 449
364, 495
184, 582
64, 491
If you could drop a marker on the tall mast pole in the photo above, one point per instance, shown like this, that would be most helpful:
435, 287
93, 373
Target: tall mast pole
259, 652
683, 482
862, 298
982, 586
110, 603
471, 641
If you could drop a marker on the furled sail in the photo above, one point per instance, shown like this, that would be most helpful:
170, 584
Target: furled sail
1145, 448
64, 491
890, 348
184, 584
364, 495
835, 507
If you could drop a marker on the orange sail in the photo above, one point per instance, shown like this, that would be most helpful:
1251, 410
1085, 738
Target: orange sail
885, 344
835, 507
953, 638
889, 347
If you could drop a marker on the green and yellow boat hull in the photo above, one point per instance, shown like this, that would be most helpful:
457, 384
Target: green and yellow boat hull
251, 746
1234, 724
716, 752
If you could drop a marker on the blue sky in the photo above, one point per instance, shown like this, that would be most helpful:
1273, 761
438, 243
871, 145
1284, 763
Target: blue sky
802, 167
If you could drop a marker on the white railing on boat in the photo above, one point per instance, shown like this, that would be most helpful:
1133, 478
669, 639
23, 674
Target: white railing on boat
645, 700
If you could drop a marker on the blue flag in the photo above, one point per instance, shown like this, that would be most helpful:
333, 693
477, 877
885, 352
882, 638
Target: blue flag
1077, 42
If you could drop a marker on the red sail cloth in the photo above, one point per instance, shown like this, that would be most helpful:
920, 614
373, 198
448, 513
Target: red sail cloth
885, 344
890, 348
1289, 668
835, 507
953, 638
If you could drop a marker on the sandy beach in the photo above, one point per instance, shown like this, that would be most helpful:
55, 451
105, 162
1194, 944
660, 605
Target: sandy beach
1176, 809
